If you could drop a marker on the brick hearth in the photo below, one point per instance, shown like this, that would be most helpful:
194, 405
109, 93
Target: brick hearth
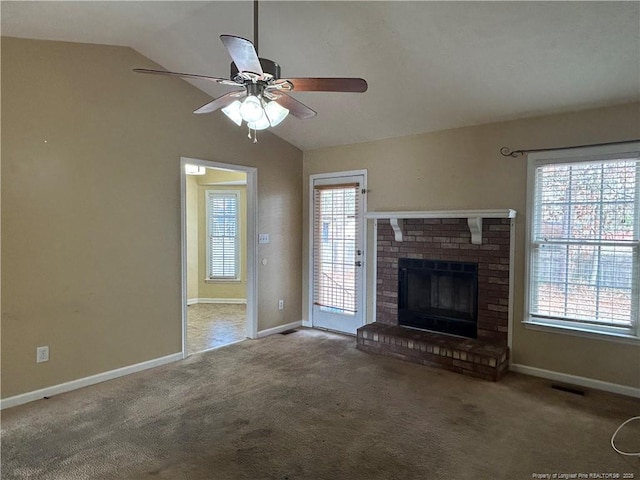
446, 239
467, 356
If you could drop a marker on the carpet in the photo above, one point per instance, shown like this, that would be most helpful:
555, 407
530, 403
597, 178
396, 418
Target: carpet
310, 406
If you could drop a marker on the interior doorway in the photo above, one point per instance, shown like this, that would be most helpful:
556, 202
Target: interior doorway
218, 254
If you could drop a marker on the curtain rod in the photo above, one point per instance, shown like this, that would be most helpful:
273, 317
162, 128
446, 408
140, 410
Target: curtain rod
507, 152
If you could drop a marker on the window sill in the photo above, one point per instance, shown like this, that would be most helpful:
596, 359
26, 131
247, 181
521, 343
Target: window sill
580, 332
222, 280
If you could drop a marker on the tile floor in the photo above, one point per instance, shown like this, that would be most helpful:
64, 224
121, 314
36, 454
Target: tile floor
211, 325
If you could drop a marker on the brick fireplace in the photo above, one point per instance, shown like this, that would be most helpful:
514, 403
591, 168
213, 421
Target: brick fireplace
443, 240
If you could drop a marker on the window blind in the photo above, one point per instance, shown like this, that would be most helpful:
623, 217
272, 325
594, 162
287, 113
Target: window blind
222, 231
335, 243
584, 245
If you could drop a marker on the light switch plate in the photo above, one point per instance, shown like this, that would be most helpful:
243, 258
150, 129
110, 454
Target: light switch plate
263, 238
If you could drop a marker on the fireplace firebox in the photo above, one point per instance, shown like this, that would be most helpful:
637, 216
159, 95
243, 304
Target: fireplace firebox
440, 296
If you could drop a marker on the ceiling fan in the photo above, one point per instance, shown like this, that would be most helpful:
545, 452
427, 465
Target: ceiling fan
264, 100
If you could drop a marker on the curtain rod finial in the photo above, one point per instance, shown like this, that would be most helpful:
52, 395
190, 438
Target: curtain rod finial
506, 152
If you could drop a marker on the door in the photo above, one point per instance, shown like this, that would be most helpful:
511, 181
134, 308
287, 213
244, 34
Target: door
338, 252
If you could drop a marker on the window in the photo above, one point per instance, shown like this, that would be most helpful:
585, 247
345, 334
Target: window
335, 215
584, 239
223, 252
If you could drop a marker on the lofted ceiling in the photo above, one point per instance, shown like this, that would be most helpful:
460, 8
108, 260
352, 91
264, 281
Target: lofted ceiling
430, 65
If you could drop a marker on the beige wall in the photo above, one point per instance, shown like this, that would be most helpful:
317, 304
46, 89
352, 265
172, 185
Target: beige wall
192, 211
221, 289
91, 253
197, 186
463, 169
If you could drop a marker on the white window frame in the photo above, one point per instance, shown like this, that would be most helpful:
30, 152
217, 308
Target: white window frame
576, 155
236, 276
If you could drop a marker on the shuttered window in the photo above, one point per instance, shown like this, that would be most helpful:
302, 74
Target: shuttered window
335, 240
223, 257
583, 271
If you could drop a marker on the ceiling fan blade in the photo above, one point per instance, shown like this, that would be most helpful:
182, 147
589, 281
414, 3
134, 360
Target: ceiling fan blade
221, 102
327, 84
296, 108
243, 53
222, 81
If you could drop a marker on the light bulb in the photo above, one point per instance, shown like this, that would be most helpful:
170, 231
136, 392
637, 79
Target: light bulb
251, 109
260, 124
194, 169
233, 112
275, 112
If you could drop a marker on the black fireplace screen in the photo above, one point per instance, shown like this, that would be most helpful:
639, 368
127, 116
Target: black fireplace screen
438, 296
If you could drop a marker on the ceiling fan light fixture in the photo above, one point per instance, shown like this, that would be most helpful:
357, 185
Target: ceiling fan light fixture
251, 109
275, 112
261, 82
233, 112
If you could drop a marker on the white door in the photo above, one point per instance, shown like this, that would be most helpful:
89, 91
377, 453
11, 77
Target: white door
338, 252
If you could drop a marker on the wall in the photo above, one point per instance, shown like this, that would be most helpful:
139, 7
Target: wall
91, 209
221, 289
463, 169
193, 264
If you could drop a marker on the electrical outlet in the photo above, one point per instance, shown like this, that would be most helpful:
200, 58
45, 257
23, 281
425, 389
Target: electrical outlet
280, 304
42, 354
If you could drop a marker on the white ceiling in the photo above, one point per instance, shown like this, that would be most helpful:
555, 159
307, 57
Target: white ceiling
430, 65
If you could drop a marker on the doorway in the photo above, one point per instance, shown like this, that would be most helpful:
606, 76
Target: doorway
338, 203
219, 202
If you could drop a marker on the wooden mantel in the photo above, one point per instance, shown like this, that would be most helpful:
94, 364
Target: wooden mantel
474, 219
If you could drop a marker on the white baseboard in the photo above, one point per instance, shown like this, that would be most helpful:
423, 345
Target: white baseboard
576, 380
279, 329
86, 381
306, 323
238, 301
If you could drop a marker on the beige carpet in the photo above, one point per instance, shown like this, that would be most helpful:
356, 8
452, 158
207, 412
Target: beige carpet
310, 406
211, 325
